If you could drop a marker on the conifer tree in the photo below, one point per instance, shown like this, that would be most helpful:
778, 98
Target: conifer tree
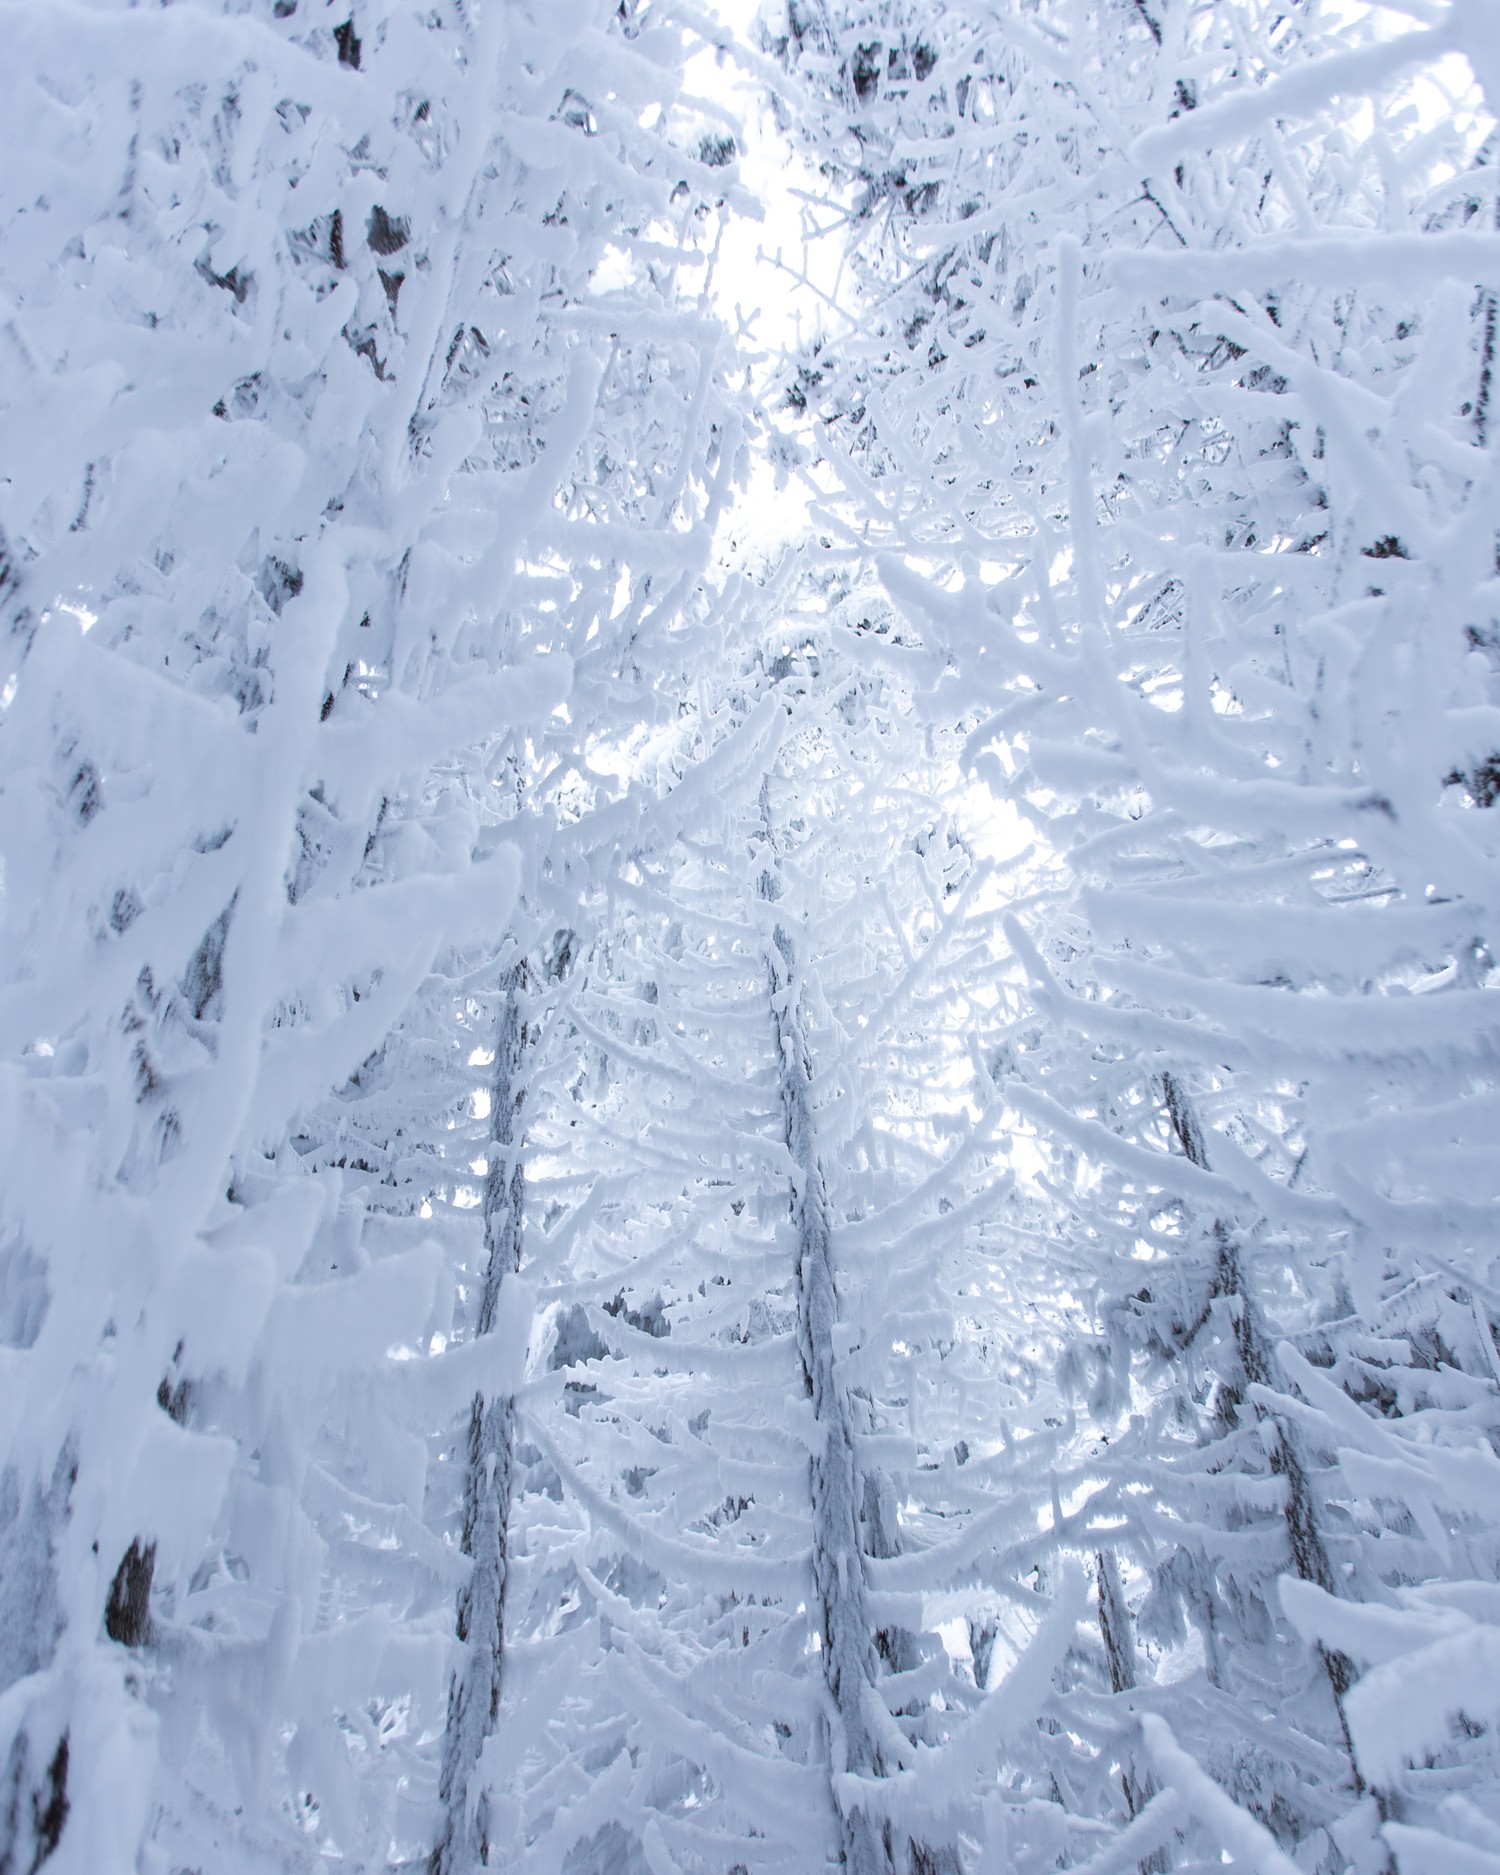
360, 477
1157, 490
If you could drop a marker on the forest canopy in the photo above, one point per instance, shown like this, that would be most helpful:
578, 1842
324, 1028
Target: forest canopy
749, 767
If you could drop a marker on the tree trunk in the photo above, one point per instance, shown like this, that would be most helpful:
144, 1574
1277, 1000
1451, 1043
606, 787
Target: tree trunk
1118, 1634
1258, 1367
474, 1697
850, 1666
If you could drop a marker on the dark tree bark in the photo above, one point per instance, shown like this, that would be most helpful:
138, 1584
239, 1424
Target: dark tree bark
838, 1487
474, 1697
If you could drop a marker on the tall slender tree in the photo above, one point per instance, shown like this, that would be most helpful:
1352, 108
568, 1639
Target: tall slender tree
1137, 437
571, 1292
361, 477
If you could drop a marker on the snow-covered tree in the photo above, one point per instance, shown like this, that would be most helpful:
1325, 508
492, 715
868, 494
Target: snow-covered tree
362, 455
600, 1270
1180, 385
748, 1416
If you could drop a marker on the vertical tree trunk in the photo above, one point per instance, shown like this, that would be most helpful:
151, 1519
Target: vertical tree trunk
1118, 1634
1258, 1367
850, 1667
1484, 398
34, 1799
474, 1698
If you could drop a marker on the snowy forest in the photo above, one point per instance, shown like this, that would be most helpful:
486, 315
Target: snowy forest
732, 736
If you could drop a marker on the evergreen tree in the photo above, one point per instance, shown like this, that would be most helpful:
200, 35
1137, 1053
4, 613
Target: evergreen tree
1216, 631
360, 482
599, 1268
